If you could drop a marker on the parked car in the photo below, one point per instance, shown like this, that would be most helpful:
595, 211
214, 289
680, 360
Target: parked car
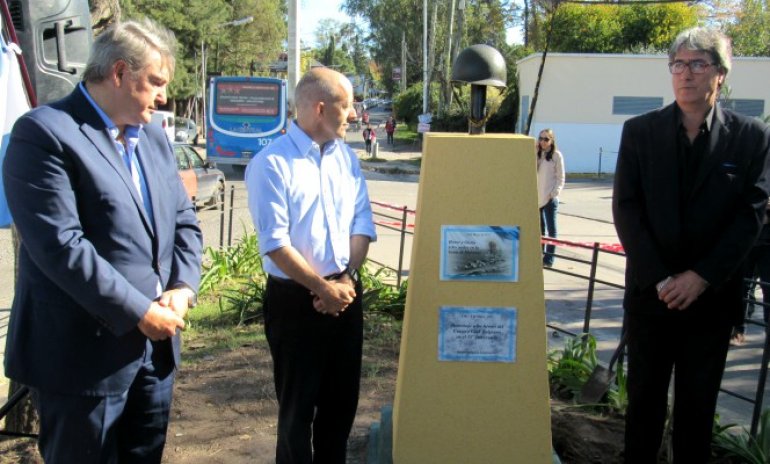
202, 180
164, 120
186, 131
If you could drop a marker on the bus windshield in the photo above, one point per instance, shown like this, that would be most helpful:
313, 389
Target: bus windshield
244, 115
247, 98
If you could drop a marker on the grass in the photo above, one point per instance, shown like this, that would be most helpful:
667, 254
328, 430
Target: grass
405, 134
210, 331
230, 311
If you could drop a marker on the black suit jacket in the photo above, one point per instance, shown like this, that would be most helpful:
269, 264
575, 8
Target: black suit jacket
712, 231
90, 258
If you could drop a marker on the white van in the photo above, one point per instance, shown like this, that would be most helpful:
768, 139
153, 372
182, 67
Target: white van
165, 120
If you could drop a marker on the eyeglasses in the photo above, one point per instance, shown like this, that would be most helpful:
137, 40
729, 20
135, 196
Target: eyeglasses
696, 66
544, 139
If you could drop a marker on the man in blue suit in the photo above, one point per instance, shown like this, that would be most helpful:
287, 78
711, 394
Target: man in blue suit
110, 256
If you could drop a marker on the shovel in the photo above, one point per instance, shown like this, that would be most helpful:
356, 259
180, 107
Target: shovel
601, 378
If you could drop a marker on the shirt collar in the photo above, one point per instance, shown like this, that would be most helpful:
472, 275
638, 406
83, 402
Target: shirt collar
305, 144
707, 122
131, 132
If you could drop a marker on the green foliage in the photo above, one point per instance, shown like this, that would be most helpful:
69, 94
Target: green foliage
235, 279
611, 28
231, 267
408, 105
230, 49
750, 32
570, 368
617, 396
380, 297
742, 447
586, 28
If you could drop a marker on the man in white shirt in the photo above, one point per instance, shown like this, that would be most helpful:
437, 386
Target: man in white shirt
311, 209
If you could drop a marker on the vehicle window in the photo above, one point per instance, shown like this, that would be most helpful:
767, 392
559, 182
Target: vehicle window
181, 158
197, 162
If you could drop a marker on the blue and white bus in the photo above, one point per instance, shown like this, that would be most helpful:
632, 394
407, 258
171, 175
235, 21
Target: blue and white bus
244, 114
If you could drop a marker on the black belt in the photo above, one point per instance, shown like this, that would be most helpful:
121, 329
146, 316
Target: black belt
294, 283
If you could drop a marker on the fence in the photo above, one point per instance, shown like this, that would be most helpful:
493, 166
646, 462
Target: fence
220, 215
598, 250
400, 219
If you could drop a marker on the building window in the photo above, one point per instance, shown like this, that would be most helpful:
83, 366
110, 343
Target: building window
744, 106
635, 105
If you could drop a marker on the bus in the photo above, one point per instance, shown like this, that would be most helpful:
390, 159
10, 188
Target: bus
244, 114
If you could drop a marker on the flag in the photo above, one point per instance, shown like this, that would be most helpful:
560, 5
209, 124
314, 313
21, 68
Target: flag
15, 98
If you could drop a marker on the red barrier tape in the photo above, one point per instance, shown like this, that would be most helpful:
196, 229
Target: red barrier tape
393, 224
393, 207
613, 247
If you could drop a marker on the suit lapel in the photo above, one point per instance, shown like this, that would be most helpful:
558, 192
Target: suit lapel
667, 165
95, 130
144, 156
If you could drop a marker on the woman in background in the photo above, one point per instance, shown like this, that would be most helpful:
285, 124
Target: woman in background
550, 181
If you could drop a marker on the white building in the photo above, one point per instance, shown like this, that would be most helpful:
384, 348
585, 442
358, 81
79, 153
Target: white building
585, 98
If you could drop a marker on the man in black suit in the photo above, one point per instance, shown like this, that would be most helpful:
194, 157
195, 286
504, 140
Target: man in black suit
109, 259
690, 195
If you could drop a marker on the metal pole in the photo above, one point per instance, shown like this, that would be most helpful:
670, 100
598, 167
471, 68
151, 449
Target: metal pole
760, 396
203, 87
599, 174
221, 225
401, 248
591, 285
230, 227
294, 51
425, 56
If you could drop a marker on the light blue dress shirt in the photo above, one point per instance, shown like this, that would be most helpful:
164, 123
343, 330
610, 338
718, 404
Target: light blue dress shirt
127, 152
309, 200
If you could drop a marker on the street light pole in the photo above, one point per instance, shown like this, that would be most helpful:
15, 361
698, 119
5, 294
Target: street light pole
237, 22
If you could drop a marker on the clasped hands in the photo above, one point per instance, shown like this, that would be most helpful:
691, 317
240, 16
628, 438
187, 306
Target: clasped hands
166, 314
335, 296
679, 291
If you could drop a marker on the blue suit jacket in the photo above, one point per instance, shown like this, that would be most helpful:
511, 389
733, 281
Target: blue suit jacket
90, 258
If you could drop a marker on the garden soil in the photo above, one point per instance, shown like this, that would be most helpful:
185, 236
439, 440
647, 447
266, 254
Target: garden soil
224, 411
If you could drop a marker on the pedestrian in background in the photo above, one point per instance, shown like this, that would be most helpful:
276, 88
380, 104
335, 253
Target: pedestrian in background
550, 182
310, 206
110, 256
369, 137
757, 268
390, 128
690, 195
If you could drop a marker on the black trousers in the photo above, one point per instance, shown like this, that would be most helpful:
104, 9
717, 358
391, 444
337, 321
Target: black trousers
694, 345
317, 369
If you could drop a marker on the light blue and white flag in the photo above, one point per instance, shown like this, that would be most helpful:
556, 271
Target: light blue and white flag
16, 103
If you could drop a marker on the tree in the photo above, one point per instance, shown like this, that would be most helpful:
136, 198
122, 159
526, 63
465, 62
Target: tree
607, 28
751, 29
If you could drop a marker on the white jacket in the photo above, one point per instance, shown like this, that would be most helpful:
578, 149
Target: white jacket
550, 178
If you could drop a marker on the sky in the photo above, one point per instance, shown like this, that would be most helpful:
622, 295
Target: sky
311, 11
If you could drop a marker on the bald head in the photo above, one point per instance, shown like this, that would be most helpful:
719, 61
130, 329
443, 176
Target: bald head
321, 85
324, 102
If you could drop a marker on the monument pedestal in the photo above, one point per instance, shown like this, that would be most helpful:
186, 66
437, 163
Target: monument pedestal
472, 379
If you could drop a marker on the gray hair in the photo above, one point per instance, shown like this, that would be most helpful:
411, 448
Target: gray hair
130, 41
706, 40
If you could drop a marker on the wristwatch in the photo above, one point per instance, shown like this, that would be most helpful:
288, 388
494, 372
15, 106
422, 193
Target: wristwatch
353, 274
192, 296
